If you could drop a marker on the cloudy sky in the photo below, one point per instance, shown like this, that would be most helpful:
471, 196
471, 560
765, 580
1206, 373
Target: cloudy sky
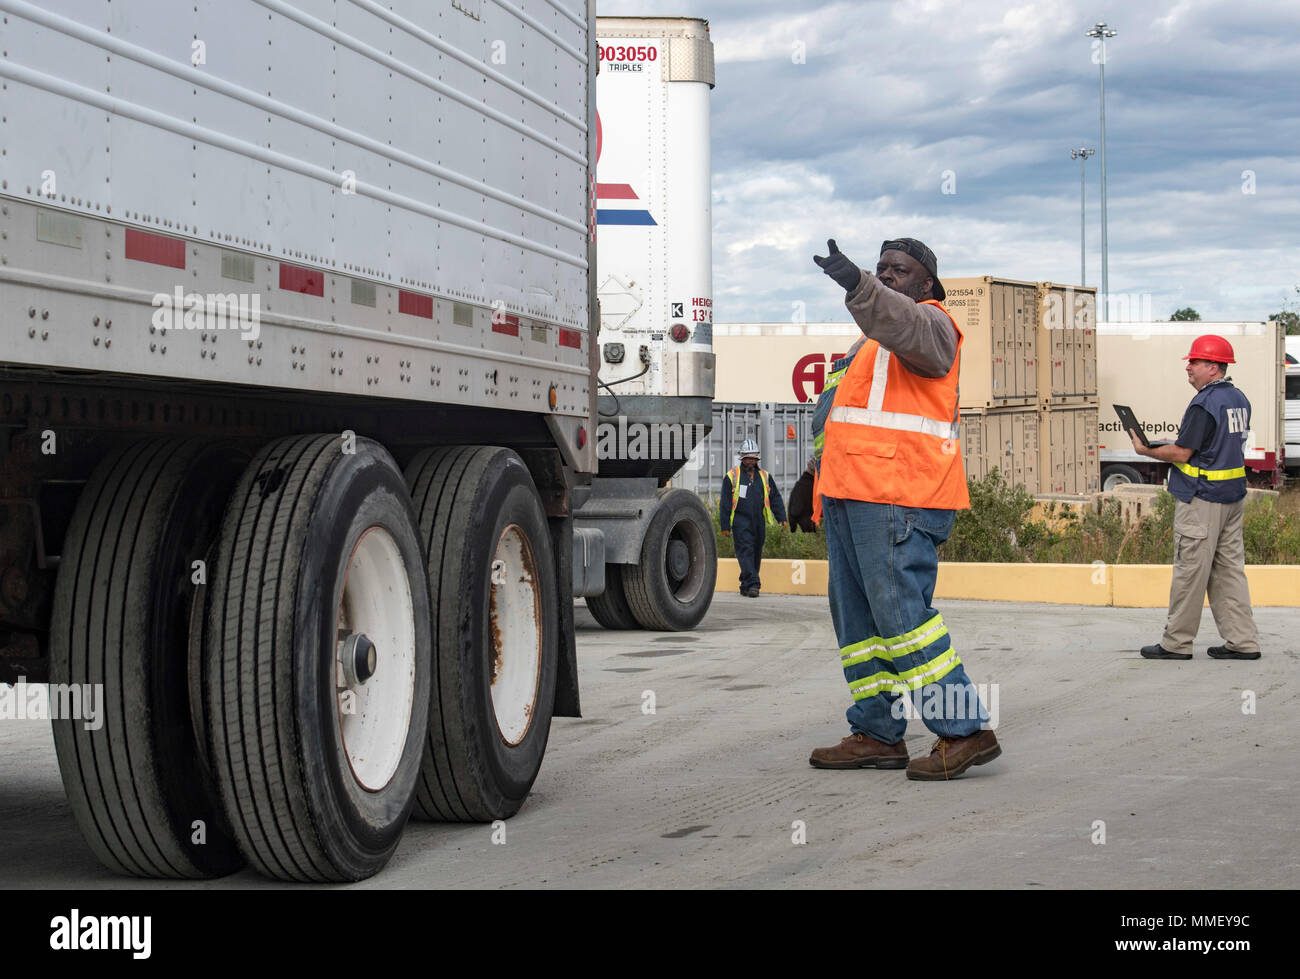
854, 144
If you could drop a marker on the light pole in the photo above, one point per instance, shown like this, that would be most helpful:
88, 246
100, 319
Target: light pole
1082, 155
1100, 32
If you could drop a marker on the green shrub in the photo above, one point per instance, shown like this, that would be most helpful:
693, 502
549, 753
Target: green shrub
1271, 536
998, 527
991, 529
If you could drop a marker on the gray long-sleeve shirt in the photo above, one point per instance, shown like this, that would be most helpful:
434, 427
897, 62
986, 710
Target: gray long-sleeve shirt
920, 336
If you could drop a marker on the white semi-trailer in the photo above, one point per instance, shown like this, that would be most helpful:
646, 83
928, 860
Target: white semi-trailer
655, 288
299, 394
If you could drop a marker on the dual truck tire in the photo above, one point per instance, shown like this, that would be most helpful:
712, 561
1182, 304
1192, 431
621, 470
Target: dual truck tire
286, 684
670, 589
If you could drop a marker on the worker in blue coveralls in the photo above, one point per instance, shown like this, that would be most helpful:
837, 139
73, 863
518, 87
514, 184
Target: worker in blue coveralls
750, 504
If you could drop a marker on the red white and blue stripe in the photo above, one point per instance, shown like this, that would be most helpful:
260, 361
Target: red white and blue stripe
621, 213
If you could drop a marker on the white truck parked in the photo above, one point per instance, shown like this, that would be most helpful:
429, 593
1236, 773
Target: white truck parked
299, 396
1140, 365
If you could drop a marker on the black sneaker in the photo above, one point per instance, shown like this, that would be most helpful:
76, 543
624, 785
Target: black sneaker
1159, 652
1223, 652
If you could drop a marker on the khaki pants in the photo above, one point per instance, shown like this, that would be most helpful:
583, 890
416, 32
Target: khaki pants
1209, 553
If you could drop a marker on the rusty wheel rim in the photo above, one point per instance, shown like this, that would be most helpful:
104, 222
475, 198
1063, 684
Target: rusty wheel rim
515, 635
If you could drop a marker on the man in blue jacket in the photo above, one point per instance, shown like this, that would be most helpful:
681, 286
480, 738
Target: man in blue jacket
1208, 481
750, 504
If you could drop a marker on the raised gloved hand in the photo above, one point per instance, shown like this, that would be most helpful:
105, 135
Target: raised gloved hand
839, 268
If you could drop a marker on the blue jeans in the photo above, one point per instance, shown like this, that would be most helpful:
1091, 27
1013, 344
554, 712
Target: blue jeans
883, 564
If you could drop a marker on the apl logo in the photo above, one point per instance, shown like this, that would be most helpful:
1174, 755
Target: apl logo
620, 214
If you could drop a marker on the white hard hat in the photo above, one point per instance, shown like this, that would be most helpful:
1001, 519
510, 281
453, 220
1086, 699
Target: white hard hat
748, 448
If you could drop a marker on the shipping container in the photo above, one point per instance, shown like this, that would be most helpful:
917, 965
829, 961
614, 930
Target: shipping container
1067, 344
1006, 439
783, 433
1068, 438
999, 323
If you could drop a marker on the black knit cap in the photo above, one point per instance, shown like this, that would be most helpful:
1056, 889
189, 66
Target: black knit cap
921, 252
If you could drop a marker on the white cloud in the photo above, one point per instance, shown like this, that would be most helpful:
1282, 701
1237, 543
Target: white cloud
854, 144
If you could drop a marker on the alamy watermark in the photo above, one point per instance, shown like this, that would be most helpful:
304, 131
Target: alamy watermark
53, 701
622, 439
102, 932
938, 701
181, 310
1071, 309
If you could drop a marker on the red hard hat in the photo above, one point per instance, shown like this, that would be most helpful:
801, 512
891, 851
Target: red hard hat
1210, 347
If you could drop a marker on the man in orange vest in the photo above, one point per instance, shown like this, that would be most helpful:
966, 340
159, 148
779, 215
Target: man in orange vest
889, 485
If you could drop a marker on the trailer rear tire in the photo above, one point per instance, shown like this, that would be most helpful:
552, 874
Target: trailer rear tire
672, 588
1118, 474
610, 607
317, 672
494, 598
138, 786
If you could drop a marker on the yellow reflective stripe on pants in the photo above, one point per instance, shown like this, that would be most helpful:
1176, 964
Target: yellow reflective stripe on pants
895, 647
1212, 474
879, 683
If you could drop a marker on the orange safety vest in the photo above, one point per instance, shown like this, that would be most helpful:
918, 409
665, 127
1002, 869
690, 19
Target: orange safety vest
893, 436
734, 476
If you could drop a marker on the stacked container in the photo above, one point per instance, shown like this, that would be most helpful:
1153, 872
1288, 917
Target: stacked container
998, 319
1067, 389
1003, 438
1067, 344
999, 377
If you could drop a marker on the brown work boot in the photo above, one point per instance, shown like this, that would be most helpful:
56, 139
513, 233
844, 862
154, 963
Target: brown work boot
860, 751
949, 757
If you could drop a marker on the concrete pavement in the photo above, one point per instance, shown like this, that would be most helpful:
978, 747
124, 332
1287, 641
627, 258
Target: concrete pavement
712, 788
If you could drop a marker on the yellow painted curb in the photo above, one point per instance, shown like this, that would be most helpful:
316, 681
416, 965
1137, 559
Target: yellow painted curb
1121, 585
780, 577
1273, 584
1147, 585
1061, 584
1143, 585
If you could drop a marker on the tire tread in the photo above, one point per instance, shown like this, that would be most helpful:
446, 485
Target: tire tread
255, 603
118, 787
611, 607
446, 482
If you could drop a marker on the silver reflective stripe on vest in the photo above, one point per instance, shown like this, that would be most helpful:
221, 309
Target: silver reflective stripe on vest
879, 379
895, 420
875, 415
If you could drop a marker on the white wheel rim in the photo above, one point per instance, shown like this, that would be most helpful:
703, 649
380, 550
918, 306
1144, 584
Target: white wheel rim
374, 715
515, 631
